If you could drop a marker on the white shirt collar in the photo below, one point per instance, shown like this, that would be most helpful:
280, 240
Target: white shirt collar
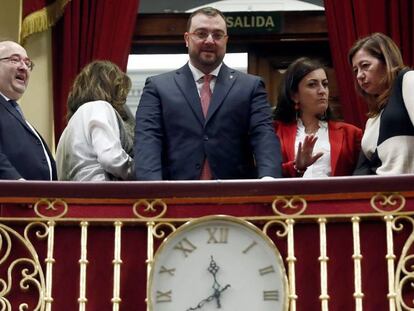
5, 97
198, 74
322, 125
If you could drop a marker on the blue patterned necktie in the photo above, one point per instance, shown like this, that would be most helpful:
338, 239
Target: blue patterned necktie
17, 107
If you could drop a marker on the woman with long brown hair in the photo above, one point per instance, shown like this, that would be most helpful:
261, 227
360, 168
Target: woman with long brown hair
387, 85
98, 140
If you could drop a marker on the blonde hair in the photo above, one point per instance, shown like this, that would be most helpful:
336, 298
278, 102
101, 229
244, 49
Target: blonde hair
387, 52
99, 80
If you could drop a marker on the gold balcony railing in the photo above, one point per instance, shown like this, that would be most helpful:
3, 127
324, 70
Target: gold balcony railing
344, 243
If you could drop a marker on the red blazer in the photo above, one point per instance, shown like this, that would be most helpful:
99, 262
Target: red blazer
345, 140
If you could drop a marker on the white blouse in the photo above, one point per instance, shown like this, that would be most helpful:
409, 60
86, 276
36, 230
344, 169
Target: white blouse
322, 167
90, 147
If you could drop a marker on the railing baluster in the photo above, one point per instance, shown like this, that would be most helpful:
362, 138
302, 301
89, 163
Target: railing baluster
117, 262
390, 257
49, 265
357, 257
83, 262
150, 255
291, 259
323, 259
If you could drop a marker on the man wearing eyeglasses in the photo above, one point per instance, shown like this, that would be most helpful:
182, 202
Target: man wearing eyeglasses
23, 153
205, 120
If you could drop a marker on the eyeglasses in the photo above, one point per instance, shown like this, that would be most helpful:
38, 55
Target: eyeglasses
203, 35
16, 59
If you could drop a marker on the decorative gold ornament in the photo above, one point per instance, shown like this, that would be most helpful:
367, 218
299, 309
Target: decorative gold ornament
31, 273
388, 202
159, 230
47, 209
279, 233
150, 210
404, 275
293, 206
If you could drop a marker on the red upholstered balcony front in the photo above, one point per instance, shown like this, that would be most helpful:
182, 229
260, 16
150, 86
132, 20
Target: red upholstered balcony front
345, 242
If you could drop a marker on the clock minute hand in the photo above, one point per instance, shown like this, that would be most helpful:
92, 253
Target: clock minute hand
218, 289
201, 303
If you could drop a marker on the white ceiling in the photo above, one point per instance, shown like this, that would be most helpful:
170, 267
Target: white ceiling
261, 5
180, 6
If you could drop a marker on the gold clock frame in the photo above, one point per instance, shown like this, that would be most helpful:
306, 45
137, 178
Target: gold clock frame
213, 218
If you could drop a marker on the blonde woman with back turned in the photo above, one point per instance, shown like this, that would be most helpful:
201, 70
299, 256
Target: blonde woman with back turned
97, 143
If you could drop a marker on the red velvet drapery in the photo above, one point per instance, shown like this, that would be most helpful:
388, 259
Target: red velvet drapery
349, 20
88, 30
30, 6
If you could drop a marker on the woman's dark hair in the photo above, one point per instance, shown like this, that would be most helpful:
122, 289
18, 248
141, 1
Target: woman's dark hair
285, 109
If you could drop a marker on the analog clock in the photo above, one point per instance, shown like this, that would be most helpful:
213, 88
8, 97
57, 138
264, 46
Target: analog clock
219, 263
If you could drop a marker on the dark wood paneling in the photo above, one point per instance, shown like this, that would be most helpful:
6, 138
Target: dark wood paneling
161, 33
301, 34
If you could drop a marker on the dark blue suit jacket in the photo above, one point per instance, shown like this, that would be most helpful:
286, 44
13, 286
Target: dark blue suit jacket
21, 152
172, 137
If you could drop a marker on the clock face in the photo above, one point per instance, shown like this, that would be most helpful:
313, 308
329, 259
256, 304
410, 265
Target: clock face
217, 263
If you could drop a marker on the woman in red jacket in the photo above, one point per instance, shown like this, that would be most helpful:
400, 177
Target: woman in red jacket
313, 145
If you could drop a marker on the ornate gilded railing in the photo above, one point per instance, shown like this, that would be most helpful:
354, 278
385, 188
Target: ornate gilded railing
346, 243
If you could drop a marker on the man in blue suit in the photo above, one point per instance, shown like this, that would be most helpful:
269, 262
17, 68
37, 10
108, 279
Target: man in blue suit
23, 153
205, 120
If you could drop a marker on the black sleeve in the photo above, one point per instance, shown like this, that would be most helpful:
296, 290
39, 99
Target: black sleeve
364, 166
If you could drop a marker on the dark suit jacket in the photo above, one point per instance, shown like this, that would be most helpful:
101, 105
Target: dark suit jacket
172, 136
21, 152
344, 138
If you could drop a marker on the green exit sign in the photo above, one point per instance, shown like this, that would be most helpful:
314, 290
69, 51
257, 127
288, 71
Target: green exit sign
253, 22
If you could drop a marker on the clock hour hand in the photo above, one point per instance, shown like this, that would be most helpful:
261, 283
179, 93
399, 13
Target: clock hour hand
217, 289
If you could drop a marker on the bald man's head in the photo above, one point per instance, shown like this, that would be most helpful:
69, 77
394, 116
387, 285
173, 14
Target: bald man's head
15, 67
